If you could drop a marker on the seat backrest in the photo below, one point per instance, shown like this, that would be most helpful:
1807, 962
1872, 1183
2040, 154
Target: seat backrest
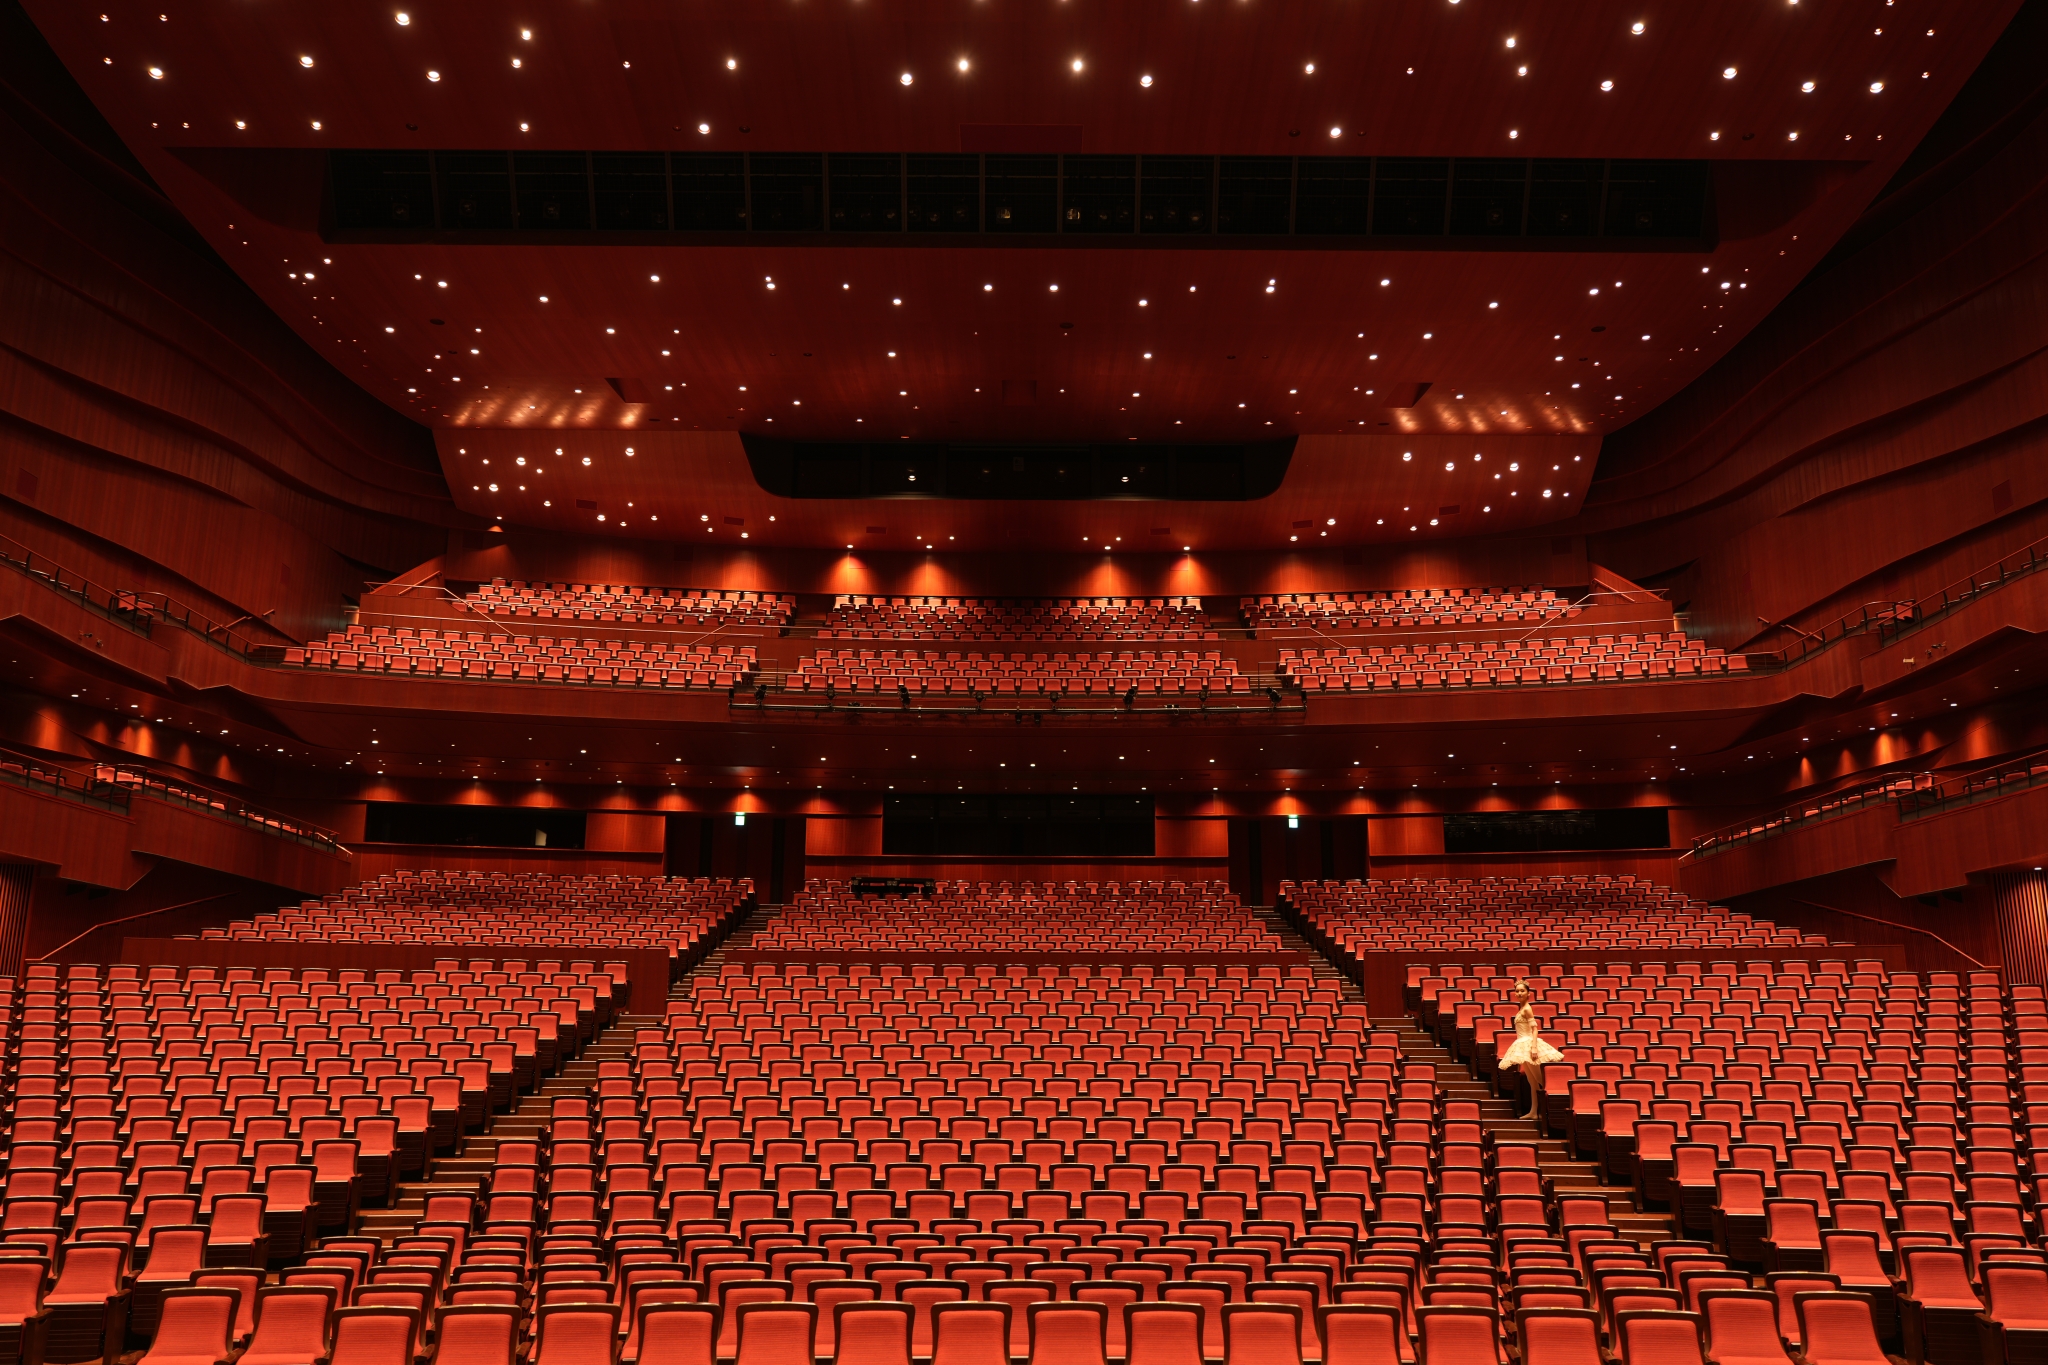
1742, 1323
1659, 1337
576, 1334
1559, 1336
1162, 1334
374, 1336
476, 1334
292, 1319
679, 1333
1262, 1334
1458, 1335
1068, 1332
1363, 1334
1837, 1329
971, 1334
195, 1322
783, 1333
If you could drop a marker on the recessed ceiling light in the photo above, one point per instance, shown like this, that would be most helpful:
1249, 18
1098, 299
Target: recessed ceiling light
906, 78
1636, 27
732, 64
1727, 73
403, 18
305, 61
1145, 81
1077, 64
703, 127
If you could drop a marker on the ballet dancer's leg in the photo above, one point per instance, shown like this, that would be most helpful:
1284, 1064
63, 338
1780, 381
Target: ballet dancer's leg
1533, 1073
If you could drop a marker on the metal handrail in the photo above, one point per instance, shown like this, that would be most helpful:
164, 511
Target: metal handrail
1813, 811
2028, 772
136, 610
22, 771
123, 777
2026, 560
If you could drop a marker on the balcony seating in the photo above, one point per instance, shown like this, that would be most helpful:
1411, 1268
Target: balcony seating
1149, 917
599, 603
859, 617
1507, 663
485, 656
476, 909
1138, 676
1406, 609
1588, 914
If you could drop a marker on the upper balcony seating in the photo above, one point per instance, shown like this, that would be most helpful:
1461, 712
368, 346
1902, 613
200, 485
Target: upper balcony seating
479, 908
1143, 917
860, 617
1576, 913
929, 672
481, 655
1490, 663
1406, 608
599, 603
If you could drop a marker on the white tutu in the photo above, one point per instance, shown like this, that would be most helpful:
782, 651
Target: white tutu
1530, 1047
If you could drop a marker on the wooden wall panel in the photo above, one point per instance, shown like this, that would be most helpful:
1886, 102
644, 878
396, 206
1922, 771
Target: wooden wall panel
1882, 432
1407, 836
843, 836
1956, 933
622, 832
159, 423
17, 889
2020, 907
71, 922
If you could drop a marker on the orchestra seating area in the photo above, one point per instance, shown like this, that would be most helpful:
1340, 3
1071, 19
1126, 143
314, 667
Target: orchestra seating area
476, 910
1000, 1162
1406, 609
1597, 914
1124, 673
481, 655
1074, 917
600, 603
1488, 663
856, 617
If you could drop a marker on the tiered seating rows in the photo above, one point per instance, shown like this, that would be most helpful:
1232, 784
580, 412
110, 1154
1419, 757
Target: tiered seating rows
479, 908
197, 1118
858, 617
933, 671
1838, 1126
600, 602
1578, 914
1152, 917
1489, 663
477, 654
1406, 607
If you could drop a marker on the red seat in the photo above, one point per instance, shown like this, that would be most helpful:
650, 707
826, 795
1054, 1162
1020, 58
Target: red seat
1068, 1332
476, 1334
1557, 1336
1366, 1334
374, 1336
291, 1326
971, 1334
193, 1327
1837, 1329
1262, 1334
778, 1333
1742, 1327
1658, 1337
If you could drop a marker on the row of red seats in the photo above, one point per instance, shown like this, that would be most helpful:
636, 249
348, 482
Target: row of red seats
1405, 608
481, 655
1202, 917
600, 602
1596, 915
1552, 659
680, 914
857, 616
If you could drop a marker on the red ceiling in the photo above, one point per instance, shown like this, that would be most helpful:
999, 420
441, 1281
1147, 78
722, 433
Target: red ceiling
1229, 359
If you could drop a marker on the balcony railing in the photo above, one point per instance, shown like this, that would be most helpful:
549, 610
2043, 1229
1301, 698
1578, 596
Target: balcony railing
1814, 811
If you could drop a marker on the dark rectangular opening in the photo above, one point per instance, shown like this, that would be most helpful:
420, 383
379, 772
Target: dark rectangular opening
788, 191
867, 192
1486, 197
1333, 194
393, 822
554, 190
1656, 198
945, 191
1014, 826
631, 189
1175, 194
1564, 198
476, 189
1101, 194
375, 190
1410, 196
1253, 193
1553, 831
1023, 193
828, 470
711, 191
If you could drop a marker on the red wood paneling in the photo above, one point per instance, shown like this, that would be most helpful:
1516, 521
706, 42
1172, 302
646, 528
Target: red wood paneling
17, 887
2020, 906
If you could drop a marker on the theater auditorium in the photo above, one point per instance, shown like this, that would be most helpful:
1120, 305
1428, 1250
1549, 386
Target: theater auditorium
1023, 682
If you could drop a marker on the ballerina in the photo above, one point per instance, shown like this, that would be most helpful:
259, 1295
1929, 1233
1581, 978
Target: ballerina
1528, 1052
